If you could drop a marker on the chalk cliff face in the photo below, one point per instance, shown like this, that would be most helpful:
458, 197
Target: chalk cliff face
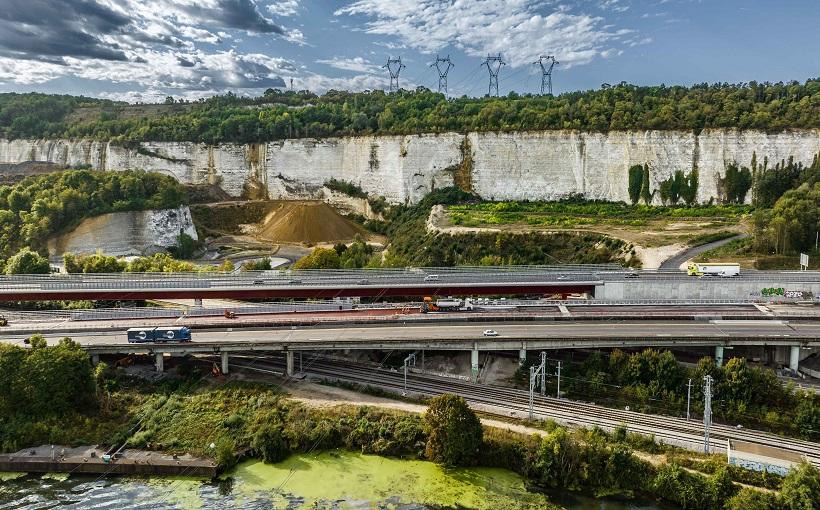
126, 233
502, 166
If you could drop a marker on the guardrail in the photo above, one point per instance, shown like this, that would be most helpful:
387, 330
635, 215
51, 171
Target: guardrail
509, 309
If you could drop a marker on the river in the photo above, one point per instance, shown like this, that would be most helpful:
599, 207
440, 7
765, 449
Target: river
330, 480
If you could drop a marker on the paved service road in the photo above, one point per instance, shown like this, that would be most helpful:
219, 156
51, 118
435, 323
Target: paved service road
674, 262
557, 334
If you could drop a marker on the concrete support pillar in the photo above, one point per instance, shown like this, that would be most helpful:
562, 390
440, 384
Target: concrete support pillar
160, 362
95, 359
719, 355
794, 357
224, 362
522, 357
289, 363
198, 302
474, 365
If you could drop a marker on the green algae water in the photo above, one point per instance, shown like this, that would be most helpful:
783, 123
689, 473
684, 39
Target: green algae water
330, 480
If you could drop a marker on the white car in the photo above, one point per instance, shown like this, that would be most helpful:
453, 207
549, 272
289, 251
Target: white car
490, 332
431, 278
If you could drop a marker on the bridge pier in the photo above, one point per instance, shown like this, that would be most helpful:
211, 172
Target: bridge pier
224, 363
160, 362
719, 355
794, 357
95, 359
474, 365
522, 357
289, 363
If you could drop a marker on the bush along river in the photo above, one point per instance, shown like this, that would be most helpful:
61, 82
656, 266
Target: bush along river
328, 480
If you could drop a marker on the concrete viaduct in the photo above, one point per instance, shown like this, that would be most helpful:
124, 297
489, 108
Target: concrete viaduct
719, 334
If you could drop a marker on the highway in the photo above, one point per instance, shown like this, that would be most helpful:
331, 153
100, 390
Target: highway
511, 402
460, 336
361, 282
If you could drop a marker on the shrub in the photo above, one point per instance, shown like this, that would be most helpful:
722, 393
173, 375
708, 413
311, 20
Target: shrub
454, 432
27, 262
269, 444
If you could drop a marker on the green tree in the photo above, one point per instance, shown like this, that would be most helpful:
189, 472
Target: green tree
736, 183
635, 182
262, 264
801, 488
320, 258
186, 246
689, 189
796, 217
558, 460
752, 499
807, 418
646, 192
454, 431
26, 261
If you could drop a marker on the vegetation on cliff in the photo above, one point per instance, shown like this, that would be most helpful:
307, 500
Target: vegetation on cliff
39, 207
157, 263
278, 115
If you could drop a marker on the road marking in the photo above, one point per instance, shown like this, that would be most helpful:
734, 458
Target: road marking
749, 322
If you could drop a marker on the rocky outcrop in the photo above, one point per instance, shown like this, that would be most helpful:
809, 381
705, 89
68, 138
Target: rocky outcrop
126, 233
503, 166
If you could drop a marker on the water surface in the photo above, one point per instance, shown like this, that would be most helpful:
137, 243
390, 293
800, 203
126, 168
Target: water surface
331, 480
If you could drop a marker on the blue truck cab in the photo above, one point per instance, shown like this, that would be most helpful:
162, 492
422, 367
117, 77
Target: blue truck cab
159, 334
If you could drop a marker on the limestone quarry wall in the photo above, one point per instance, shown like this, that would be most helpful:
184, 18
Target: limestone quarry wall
502, 166
126, 233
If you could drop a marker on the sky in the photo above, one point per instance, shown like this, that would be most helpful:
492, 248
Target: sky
145, 50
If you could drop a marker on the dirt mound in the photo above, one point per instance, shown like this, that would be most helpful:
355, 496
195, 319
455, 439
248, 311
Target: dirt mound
309, 223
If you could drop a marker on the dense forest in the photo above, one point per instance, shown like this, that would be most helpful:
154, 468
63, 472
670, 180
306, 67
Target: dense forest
278, 115
38, 207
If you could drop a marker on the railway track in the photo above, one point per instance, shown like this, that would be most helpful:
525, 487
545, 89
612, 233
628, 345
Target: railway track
515, 403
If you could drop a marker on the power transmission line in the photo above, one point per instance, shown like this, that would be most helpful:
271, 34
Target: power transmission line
494, 64
443, 66
707, 411
546, 62
394, 67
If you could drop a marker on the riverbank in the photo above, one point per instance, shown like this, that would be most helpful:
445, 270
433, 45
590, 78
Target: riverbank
231, 420
92, 460
347, 480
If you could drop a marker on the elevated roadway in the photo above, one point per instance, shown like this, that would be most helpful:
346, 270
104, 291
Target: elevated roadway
604, 282
460, 336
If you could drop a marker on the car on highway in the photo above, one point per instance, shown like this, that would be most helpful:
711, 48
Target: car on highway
490, 332
431, 278
363, 281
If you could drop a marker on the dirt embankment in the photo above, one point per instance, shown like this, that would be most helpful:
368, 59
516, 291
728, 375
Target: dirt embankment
307, 222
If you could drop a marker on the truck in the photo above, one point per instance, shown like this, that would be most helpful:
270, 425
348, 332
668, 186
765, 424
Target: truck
159, 334
723, 269
443, 305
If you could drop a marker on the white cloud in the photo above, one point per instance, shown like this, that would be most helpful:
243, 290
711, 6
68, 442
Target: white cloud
356, 64
199, 35
284, 8
519, 29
